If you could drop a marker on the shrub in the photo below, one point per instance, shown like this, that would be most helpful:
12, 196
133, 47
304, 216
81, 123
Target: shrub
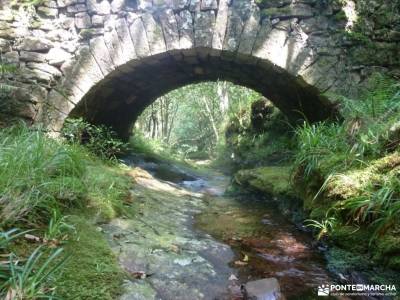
100, 140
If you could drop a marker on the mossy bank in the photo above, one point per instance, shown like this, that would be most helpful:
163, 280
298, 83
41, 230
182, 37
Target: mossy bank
342, 176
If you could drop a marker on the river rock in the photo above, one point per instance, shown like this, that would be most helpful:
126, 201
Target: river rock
263, 289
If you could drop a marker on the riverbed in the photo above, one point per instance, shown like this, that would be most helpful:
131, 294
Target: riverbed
185, 239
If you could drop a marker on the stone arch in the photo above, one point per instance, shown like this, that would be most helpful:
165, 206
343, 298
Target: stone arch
150, 49
93, 57
119, 98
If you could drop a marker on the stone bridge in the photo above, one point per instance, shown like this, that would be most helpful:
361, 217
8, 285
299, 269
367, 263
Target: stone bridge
106, 60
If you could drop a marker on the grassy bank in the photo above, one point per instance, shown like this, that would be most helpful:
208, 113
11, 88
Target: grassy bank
345, 175
52, 195
348, 174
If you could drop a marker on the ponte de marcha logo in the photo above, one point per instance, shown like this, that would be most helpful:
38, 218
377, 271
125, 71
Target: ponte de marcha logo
323, 290
356, 290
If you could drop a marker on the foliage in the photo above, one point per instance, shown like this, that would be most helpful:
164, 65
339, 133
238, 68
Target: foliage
248, 148
28, 281
108, 189
324, 227
190, 120
41, 181
40, 175
100, 139
58, 228
321, 146
37, 175
359, 173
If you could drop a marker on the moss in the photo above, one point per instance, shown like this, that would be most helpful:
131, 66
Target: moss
86, 33
108, 189
347, 262
275, 12
92, 272
273, 180
351, 238
355, 182
317, 210
387, 248
343, 261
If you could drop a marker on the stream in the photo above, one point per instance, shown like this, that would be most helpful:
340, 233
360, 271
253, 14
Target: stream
187, 240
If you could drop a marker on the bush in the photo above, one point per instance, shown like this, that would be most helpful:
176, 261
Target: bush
100, 140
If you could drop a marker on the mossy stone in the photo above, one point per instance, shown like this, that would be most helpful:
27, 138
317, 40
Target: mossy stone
273, 180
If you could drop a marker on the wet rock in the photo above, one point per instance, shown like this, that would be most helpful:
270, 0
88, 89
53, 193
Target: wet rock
263, 289
272, 180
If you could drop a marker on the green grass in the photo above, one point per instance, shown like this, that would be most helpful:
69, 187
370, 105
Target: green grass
37, 175
350, 170
42, 182
153, 149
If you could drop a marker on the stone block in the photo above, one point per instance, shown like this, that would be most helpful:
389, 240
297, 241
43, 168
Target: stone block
82, 20
102, 7
47, 11
32, 56
77, 8
11, 57
57, 56
97, 20
45, 68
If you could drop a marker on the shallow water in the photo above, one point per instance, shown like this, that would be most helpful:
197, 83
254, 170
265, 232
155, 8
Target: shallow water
187, 241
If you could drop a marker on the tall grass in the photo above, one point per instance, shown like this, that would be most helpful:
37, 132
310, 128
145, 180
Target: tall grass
353, 158
40, 175
37, 175
42, 180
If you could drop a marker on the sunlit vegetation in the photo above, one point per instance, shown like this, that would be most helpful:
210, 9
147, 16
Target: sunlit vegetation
190, 121
349, 171
43, 182
55, 192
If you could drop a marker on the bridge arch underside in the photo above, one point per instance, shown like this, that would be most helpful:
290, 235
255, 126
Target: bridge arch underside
122, 95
